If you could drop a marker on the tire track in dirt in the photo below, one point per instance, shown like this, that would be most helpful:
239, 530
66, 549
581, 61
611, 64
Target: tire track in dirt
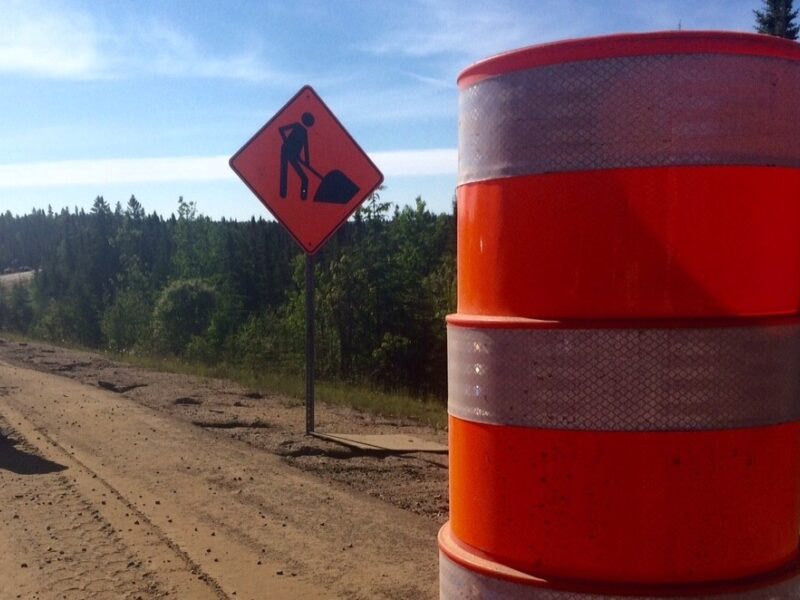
85, 501
54, 541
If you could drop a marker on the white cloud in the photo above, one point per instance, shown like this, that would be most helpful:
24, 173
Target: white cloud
401, 163
48, 41
44, 43
414, 163
111, 171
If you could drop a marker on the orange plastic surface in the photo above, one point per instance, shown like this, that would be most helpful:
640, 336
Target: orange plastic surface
645, 508
632, 243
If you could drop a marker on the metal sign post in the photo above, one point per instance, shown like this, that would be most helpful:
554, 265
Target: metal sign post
310, 343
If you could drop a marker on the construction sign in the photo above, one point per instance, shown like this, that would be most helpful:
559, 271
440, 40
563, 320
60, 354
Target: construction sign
307, 170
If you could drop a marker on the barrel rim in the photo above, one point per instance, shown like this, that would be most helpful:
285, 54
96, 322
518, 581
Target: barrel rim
507, 322
630, 44
474, 560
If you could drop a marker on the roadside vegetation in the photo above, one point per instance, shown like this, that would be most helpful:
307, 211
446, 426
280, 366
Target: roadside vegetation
226, 298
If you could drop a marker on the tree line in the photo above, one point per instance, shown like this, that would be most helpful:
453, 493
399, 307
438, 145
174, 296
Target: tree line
233, 292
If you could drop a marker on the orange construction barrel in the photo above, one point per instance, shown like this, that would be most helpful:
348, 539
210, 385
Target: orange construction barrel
624, 390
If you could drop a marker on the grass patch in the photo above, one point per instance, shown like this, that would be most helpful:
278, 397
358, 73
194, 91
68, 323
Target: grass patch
13, 336
429, 412
395, 405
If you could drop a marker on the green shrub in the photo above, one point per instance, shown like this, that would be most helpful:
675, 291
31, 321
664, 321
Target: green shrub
183, 310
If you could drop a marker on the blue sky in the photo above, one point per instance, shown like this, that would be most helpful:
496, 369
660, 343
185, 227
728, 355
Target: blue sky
151, 97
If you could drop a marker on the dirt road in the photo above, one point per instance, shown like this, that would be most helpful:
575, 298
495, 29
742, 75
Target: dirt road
11, 279
106, 494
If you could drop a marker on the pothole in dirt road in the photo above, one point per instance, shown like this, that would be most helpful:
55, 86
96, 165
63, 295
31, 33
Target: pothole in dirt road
187, 401
258, 424
66, 367
119, 388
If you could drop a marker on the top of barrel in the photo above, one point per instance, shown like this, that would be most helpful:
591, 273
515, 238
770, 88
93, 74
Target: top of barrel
630, 44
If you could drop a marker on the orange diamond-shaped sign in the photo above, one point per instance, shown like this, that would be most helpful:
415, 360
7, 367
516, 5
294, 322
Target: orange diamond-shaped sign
307, 170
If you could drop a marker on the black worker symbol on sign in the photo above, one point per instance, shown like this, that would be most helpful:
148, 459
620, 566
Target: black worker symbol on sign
334, 187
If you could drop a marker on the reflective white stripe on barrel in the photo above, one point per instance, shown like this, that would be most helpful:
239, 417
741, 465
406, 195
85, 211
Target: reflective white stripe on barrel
639, 111
625, 379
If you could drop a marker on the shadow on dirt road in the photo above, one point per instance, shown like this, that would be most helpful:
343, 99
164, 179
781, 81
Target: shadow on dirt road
18, 461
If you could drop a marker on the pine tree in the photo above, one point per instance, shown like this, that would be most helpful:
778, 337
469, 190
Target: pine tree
777, 18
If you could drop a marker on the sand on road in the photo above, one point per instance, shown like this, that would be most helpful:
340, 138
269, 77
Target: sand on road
102, 496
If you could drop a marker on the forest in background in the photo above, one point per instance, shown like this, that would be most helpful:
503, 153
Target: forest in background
233, 292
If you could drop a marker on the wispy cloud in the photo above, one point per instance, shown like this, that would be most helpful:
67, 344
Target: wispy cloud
390, 103
52, 41
473, 30
453, 34
434, 81
456, 32
400, 163
166, 50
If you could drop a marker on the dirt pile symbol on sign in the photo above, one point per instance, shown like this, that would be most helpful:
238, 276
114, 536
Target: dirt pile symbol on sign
304, 153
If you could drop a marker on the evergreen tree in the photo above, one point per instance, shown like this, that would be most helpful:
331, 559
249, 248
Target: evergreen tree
126, 321
192, 258
3, 309
777, 17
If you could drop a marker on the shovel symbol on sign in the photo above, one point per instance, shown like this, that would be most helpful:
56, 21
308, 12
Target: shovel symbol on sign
334, 188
